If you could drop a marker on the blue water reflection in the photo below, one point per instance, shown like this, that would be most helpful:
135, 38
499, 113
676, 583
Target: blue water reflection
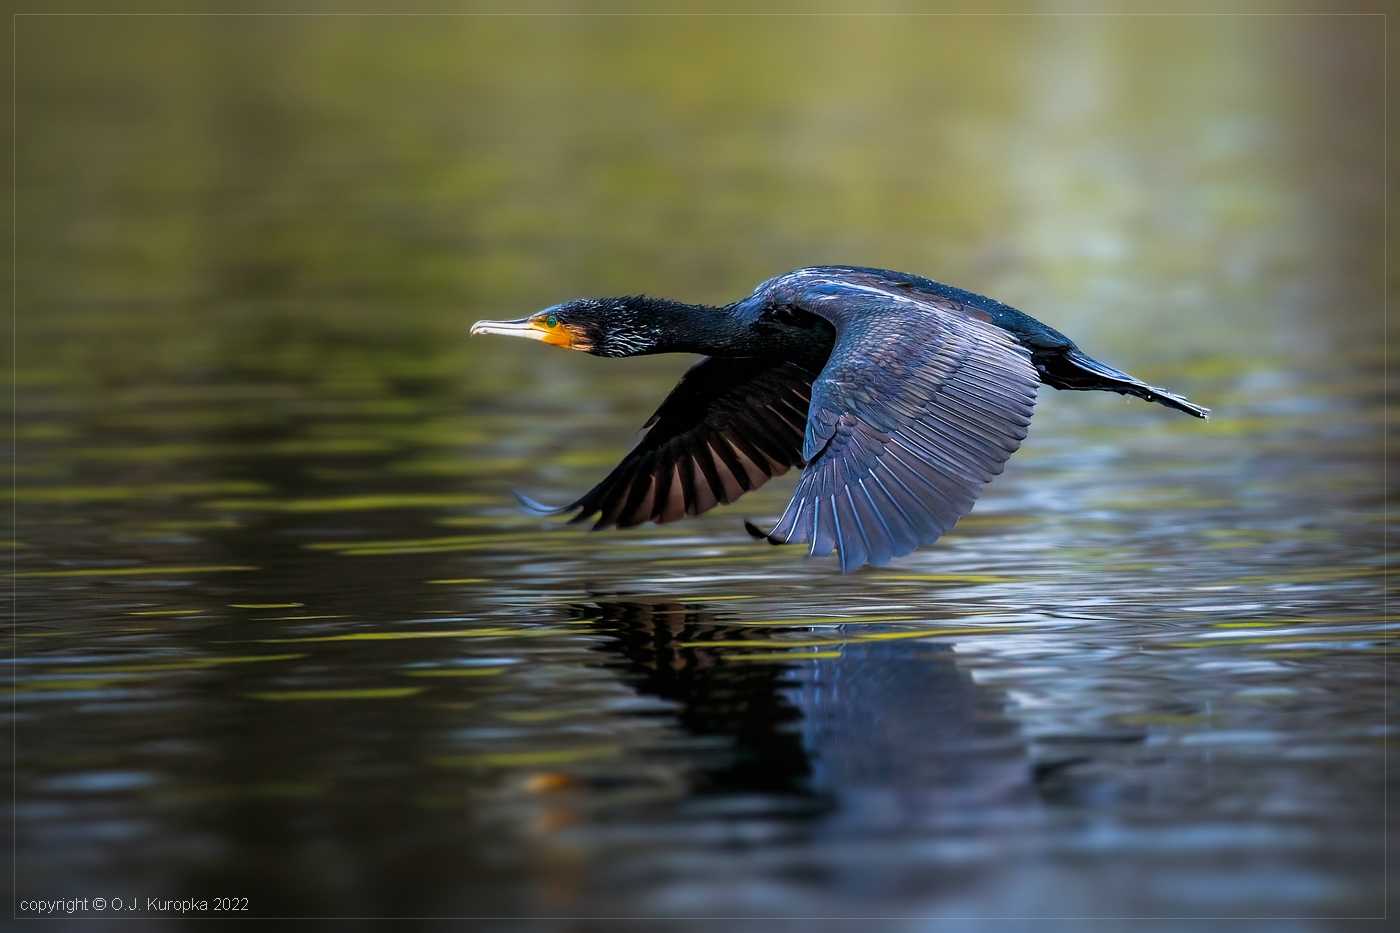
907, 742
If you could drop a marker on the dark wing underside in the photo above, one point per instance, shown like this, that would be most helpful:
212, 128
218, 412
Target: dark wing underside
915, 410
727, 427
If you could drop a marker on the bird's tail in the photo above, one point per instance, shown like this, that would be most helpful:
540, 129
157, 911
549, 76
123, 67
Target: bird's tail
1074, 370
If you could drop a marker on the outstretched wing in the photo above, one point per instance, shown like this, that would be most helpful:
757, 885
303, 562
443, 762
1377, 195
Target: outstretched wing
727, 427
916, 409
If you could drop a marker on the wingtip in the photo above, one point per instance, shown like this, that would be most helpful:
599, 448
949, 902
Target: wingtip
759, 533
537, 508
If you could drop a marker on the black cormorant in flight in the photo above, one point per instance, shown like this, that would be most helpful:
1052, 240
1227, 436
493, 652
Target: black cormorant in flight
899, 398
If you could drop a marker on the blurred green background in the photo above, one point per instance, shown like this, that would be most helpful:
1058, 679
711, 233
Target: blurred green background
209, 192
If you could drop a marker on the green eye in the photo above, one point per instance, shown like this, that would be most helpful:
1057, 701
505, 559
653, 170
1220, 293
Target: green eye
551, 321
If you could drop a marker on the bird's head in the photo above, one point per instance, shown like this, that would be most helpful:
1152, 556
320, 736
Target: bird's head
601, 326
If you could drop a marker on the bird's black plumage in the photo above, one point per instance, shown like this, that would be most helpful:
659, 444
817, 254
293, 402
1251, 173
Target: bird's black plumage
899, 397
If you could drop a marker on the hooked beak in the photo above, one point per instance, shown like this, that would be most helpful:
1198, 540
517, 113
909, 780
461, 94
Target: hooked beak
531, 328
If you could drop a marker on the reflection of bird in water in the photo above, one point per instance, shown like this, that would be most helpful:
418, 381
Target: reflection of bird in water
904, 737
899, 396
891, 743
896, 721
659, 646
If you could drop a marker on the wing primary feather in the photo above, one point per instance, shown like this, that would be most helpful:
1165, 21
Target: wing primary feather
796, 518
785, 528
747, 448
757, 467
675, 502
760, 534
611, 502
835, 527
539, 508
769, 427
907, 537
768, 441
818, 543
705, 498
587, 509
724, 451
939, 496
879, 540
637, 509
687, 479
942, 495
926, 526
704, 460
790, 414
857, 549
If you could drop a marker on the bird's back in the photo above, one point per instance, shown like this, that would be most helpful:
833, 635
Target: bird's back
917, 291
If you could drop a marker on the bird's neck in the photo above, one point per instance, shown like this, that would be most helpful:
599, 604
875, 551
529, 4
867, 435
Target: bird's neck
704, 329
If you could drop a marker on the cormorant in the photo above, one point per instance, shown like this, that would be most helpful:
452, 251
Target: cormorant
898, 397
